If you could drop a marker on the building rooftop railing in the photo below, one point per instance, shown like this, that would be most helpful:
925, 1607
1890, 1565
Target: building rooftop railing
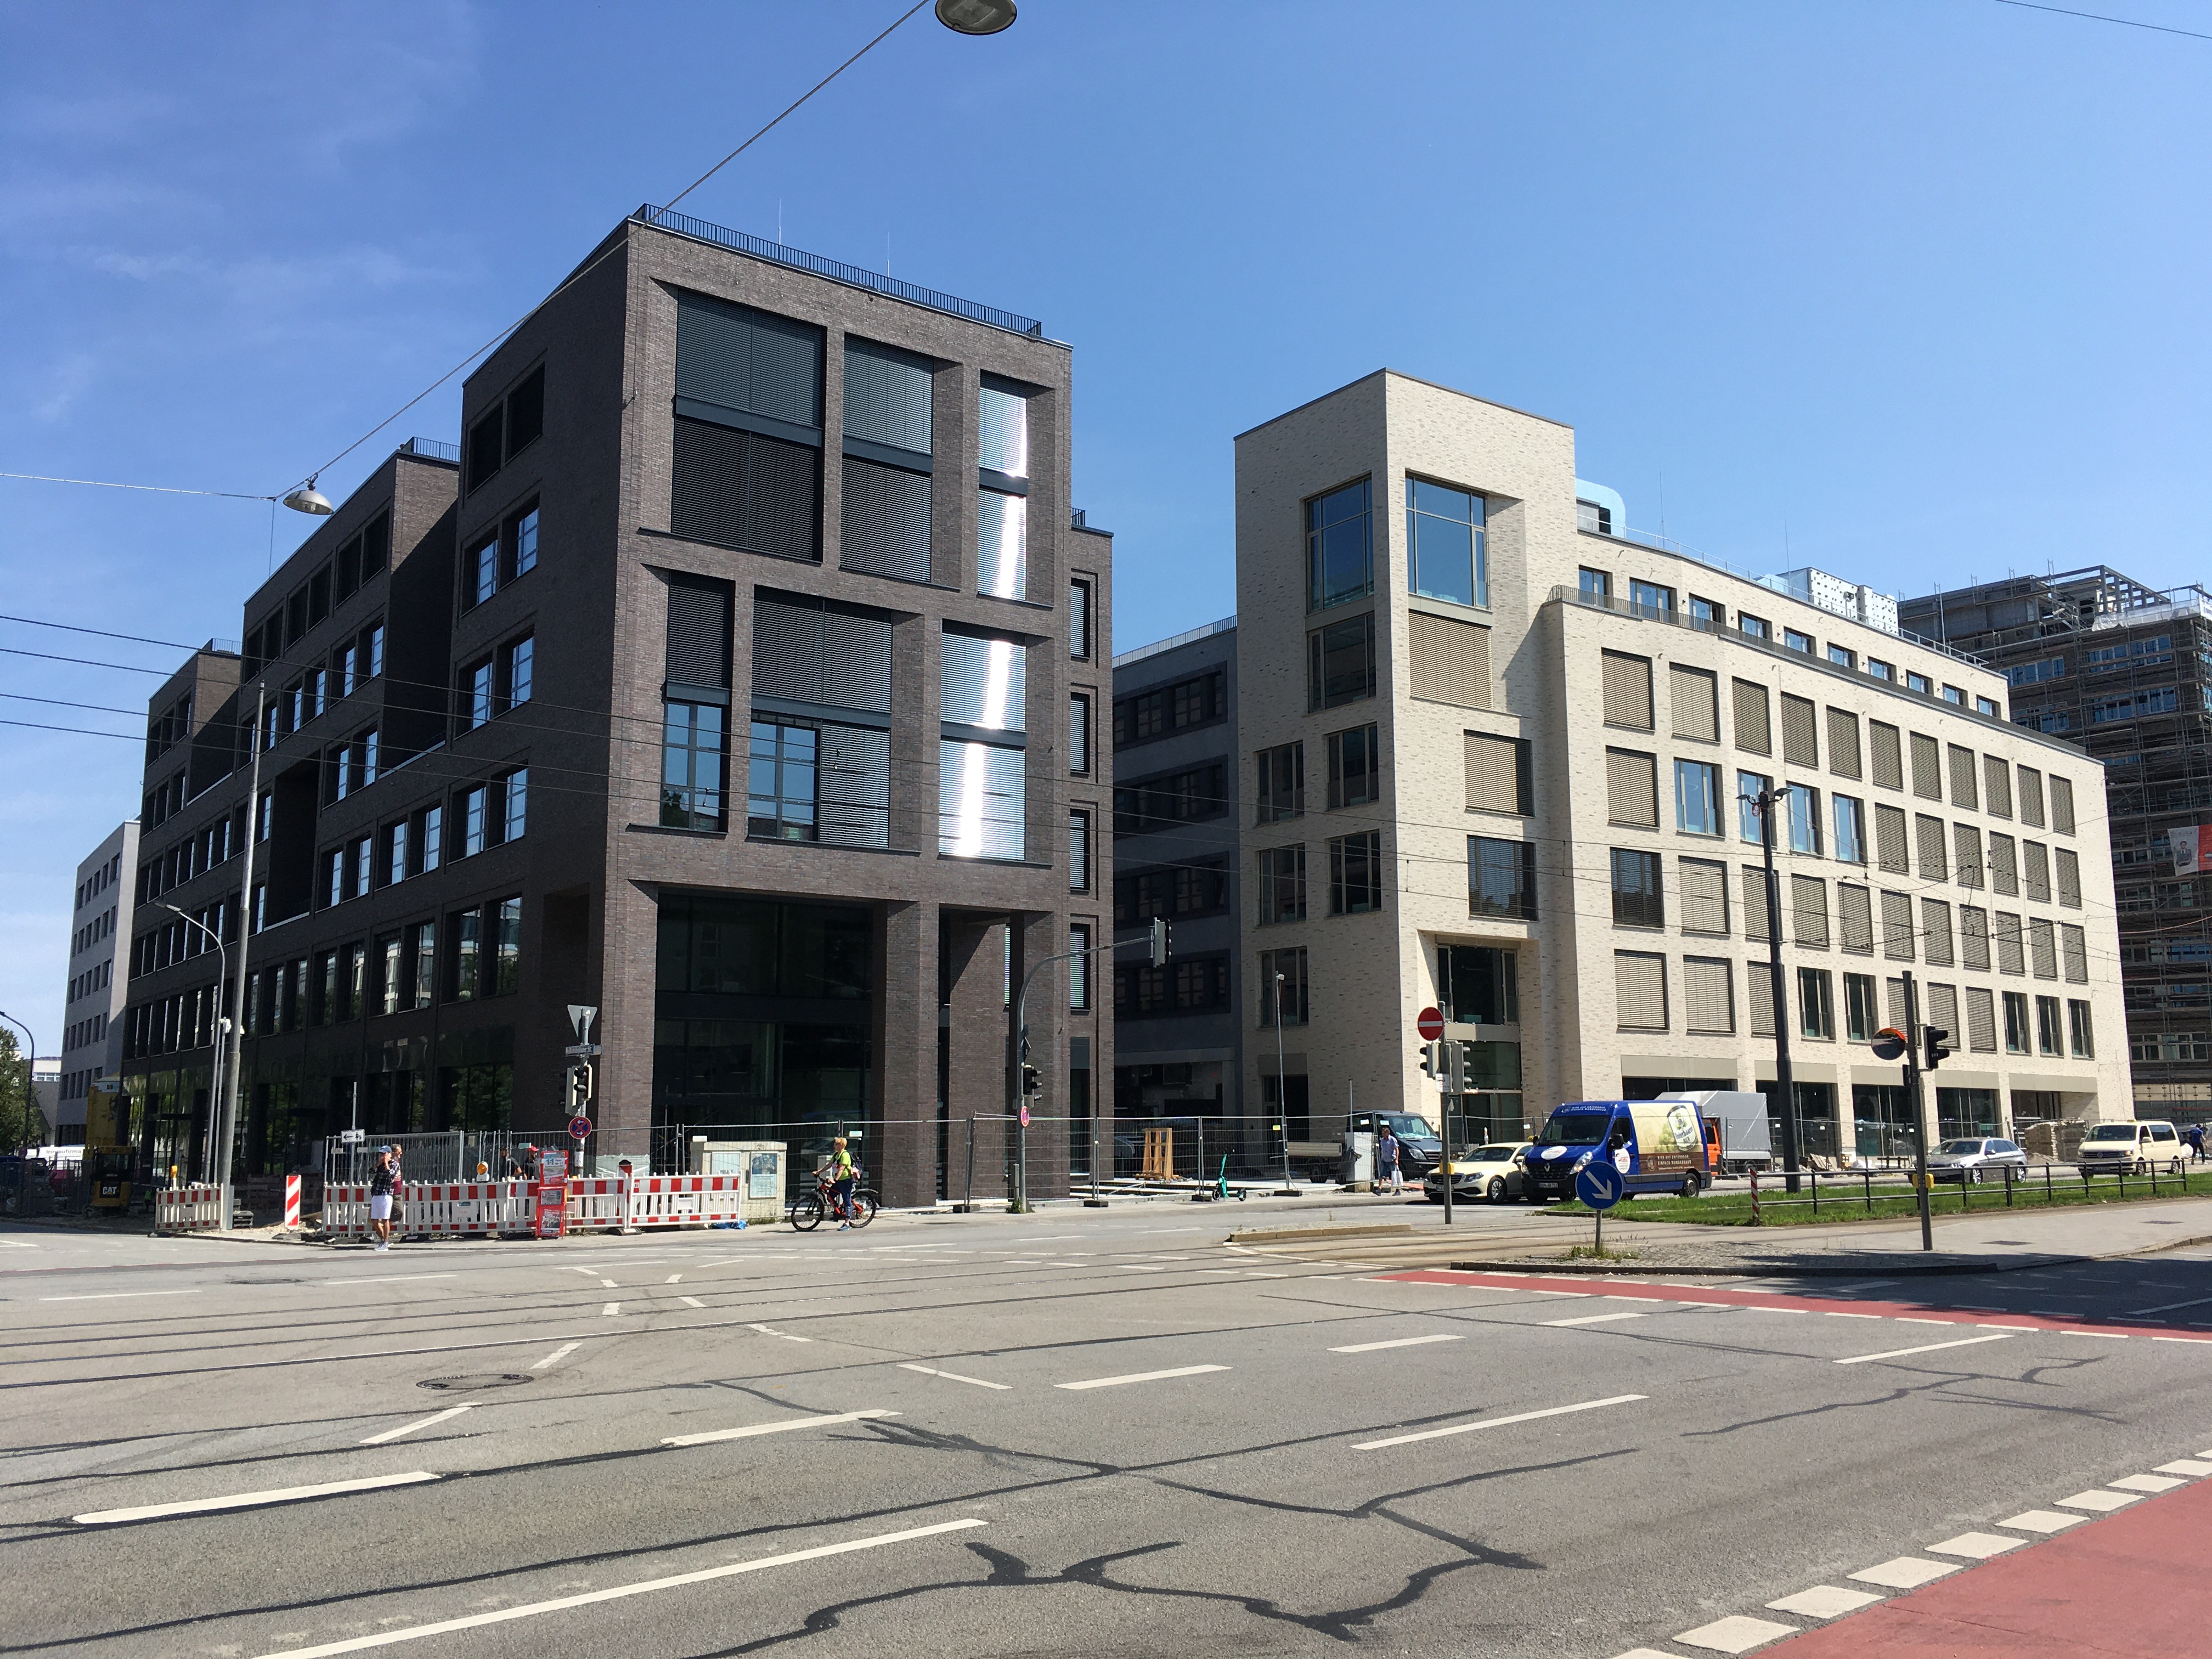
436, 449
1138, 654
684, 225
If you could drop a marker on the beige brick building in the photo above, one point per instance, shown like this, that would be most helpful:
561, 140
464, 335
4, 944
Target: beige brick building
1493, 748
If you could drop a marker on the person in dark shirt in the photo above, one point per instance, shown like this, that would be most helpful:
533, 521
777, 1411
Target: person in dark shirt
381, 1180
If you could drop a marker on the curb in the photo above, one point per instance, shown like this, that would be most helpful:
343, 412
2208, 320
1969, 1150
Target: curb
1638, 1269
1295, 1234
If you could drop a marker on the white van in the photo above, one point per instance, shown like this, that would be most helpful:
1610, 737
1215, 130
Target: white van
2129, 1148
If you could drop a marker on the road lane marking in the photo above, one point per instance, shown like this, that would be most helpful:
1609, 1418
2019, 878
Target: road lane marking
951, 1376
785, 1335
1590, 1319
2189, 1466
111, 1295
1825, 1601
386, 1279
1134, 1267
2042, 1521
705, 1575
2103, 1503
783, 1427
673, 1278
421, 1423
1905, 1572
556, 1356
248, 1500
691, 1301
607, 1283
1925, 1347
2117, 1336
1498, 1422
1398, 1342
1140, 1376
611, 1308
2145, 1483
1834, 1314
2165, 1307
1735, 1634
1976, 1546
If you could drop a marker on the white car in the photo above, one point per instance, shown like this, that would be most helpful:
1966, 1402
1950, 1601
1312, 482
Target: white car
2133, 1148
1975, 1160
1493, 1173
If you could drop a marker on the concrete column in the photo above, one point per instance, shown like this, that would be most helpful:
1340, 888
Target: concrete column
905, 1162
974, 977
624, 1128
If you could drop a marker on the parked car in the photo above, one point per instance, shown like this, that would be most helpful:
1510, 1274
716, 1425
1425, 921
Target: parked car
2129, 1148
1658, 1145
1974, 1161
1491, 1173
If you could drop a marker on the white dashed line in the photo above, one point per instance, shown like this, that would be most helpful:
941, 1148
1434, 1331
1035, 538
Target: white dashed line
611, 1309
113, 1296
785, 1335
1735, 1634
1905, 1572
1590, 1319
248, 1500
1925, 1347
1397, 1342
691, 1301
2145, 1483
1140, 1376
782, 1427
420, 1423
1976, 1546
2042, 1521
952, 1377
2102, 1502
556, 1356
1825, 1601
1496, 1422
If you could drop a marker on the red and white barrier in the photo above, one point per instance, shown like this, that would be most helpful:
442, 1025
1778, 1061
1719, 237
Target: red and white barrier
479, 1209
292, 1202
188, 1209
698, 1200
432, 1209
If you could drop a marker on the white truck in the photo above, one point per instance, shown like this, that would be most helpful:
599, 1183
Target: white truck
1738, 1135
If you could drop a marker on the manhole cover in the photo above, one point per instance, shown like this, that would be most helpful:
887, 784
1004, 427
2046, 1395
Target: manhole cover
473, 1384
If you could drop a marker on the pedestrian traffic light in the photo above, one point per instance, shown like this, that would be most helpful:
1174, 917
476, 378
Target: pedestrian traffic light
1160, 942
1031, 1082
1937, 1046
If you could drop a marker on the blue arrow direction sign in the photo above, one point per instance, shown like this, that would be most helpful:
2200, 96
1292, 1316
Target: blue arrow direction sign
1599, 1185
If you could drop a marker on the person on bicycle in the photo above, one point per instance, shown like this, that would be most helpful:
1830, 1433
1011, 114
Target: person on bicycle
841, 1180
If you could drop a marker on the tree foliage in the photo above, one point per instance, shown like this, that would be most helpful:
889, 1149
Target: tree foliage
20, 1122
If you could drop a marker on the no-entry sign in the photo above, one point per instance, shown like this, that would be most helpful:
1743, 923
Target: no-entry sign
1430, 1024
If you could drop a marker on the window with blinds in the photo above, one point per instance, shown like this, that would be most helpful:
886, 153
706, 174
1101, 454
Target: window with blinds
1753, 731
1800, 732
735, 357
1974, 938
1450, 659
1936, 934
815, 652
1889, 848
1755, 914
1704, 895
1854, 912
884, 521
2004, 867
2031, 796
1499, 774
1001, 551
1640, 990
982, 800
1885, 759
1897, 927
697, 663
1997, 786
1759, 980
1694, 696
2043, 948
742, 489
1927, 767
1844, 743
1892, 991
2069, 878
2010, 958
1928, 832
1632, 788
1981, 1021
1078, 733
2035, 871
2074, 947
1963, 791
1966, 854
887, 397
2062, 806
1943, 1008
1808, 904
1627, 681
747, 429
1002, 544
985, 683
1709, 996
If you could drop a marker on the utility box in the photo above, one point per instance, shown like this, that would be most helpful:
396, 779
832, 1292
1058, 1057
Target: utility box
1359, 1165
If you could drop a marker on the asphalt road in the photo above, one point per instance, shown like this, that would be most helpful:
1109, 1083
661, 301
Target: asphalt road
1078, 1433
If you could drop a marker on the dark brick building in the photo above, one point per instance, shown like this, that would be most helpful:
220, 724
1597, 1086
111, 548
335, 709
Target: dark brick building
501, 770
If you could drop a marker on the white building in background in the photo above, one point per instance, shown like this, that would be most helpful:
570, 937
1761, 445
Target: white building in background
99, 958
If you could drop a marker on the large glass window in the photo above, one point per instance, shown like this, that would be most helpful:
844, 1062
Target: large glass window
1444, 539
1282, 986
1637, 900
1339, 547
1850, 830
465, 929
691, 767
1816, 1014
1697, 797
981, 789
1341, 668
781, 780
1749, 786
1804, 818
1002, 544
1355, 873
1501, 878
1861, 1021
1353, 766
1282, 885
1282, 772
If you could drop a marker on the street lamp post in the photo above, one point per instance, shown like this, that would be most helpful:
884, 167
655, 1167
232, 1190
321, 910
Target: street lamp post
221, 1025
1282, 1095
226, 1115
1784, 1080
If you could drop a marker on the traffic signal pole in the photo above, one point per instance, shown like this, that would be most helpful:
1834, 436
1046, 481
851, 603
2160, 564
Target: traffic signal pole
1785, 1081
1912, 1046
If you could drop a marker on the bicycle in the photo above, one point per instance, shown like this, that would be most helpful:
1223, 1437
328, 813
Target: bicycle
809, 1209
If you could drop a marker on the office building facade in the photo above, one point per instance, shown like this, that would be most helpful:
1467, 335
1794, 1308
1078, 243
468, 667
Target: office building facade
100, 917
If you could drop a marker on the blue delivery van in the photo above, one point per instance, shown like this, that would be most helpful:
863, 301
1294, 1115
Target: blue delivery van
1659, 1145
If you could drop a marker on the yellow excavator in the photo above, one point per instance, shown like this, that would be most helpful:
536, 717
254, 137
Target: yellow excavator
109, 1160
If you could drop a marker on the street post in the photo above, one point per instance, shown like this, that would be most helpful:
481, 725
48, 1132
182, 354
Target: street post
1785, 1082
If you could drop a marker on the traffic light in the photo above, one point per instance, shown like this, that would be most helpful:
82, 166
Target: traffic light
1428, 1058
1031, 1082
1160, 942
579, 1088
1936, 1045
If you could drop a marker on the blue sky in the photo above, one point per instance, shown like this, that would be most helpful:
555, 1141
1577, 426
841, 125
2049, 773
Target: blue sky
1914, 289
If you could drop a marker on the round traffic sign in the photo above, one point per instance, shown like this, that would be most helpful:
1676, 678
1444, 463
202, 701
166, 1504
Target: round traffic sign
1025, 1117
1430, 1023
580, 1126
1889, 1043
1599, 1185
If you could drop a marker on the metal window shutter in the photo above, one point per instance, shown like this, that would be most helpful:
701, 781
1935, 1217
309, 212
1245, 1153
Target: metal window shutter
1888, 759
1694, 695
2010, 959
2062, 806
1640, 988
787, 649
699, 631
1854, 912
2043, 948
967, 683
1936, 936
2069, 878
740, 358
1808, 900
1709, 994
1996, 786
1974, 938
982, 800
1450, 659
1963, 793
856, 661
1800, 732
1627, 690
1981, 1020
2031, 796
1632, 788
1889, 839
2035, 871
1894, 1000
1753, 731
884, 528
1966, 854
887, 396
1928, 832
1843, 742
1897, 927
854, 786
1758, 978
2004, 870
742, 489
1493, 774
1754, 904
1002, 544
1704, 896
2074, 945
1002, 430
1927, 767
1943, 1008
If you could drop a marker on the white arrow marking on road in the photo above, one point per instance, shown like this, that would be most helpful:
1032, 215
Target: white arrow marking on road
1926, 1347
421, 1423
788, 1425
1400, 1342
1140, 1376
556, 1356
247, 1500
952, 1377
1496, 1422
705, 1575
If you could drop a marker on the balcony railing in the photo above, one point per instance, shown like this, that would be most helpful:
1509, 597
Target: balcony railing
436, 448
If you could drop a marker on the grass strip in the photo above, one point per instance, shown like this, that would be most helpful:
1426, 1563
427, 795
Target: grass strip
1844, 1199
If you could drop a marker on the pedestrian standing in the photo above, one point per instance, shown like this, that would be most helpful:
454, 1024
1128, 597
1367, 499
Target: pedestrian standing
1386, 1159
381, 1180
2196, 1142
